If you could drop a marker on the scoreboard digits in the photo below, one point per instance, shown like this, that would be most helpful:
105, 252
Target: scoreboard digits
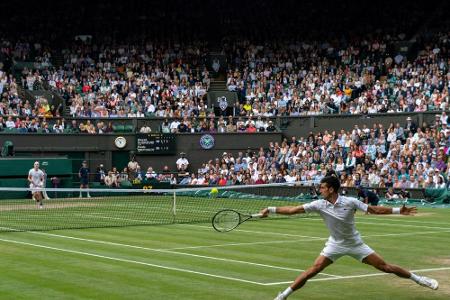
155, 143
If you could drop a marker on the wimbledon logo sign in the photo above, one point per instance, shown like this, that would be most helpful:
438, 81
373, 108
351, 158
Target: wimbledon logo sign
207, 141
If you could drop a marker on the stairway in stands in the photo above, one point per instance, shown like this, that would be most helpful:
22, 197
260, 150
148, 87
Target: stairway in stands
217, 84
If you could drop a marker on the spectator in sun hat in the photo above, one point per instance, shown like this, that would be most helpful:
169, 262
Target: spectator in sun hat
271, 127
228, 157
410, 126
437, 121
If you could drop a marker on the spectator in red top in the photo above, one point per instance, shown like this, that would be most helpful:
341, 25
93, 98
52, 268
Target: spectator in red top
358, 152
251, 128
260, 179
222, 180
86, 88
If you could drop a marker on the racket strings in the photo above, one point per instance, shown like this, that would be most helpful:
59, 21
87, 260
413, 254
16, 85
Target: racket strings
226, 220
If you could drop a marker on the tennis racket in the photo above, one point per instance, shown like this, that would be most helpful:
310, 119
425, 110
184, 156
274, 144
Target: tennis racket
228, 219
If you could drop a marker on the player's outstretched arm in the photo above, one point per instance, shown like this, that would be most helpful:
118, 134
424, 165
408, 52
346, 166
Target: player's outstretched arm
382, 210
283, 210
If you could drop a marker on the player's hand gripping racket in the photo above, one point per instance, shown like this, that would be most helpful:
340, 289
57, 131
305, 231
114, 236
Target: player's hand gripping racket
228, 219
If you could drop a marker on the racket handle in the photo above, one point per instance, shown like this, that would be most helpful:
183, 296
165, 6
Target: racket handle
257, 215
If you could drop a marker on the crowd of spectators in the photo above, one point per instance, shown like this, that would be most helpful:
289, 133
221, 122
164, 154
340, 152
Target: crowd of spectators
401, 156
299, 61
29, 49
15, 106
213, 125
362, 76
357, 69
128, 80
133, 174
44, 125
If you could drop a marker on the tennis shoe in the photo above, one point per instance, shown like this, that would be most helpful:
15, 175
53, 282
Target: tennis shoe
280, 297
429, 283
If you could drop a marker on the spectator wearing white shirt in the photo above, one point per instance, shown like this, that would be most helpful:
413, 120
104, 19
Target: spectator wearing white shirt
145, 129
174, 126
10, 123
150, 174
182, 162
291, 177
58, 127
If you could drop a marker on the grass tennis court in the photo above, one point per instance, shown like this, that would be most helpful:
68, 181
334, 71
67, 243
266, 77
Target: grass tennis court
192, 261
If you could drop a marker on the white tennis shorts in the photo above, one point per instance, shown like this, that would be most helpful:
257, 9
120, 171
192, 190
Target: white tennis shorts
334, 252
35, 188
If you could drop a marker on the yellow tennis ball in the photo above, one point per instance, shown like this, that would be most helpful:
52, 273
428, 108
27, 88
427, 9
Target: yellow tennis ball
214, 191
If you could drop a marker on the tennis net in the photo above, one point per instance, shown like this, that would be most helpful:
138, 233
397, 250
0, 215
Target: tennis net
131, 207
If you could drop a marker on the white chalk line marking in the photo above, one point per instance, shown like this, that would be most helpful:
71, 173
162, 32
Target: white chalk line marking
254, 231
131, 261
170, 252
402, 219
384, 223
203, 273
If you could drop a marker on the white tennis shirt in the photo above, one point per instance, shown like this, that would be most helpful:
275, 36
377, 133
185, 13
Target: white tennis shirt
36, 176
339, 218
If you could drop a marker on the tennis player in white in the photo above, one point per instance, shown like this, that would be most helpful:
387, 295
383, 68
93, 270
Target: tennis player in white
338, 214
36, 180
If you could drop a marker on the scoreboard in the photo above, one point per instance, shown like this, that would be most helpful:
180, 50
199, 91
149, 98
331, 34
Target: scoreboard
156, 143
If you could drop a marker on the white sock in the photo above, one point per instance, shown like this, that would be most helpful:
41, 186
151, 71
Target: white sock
415, 278
287, 292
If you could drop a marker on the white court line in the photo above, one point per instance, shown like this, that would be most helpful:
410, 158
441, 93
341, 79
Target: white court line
216, 258
320, 238
395, 218
359, 276
405, 233
170, 252
246, 244
99, 215
444, 229
131, 261
403, 225
201, 273
312, 239
385, 224
308, 240
257, 232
